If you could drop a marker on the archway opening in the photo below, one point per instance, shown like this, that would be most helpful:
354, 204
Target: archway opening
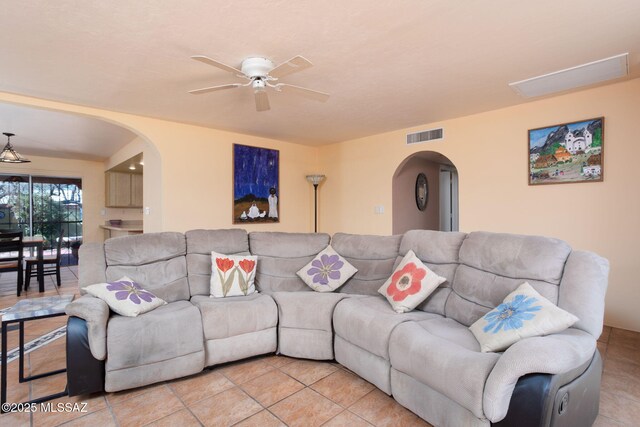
64, 143
425, 193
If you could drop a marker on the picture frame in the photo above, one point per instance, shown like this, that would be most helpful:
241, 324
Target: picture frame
422, 191
566, 153
256, 185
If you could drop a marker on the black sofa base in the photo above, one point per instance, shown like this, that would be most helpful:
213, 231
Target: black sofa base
563, 400
85, 373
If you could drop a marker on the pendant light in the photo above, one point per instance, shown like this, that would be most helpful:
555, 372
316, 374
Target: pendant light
9, 155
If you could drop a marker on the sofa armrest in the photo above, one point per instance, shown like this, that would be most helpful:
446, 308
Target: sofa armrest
96, 313
551, 354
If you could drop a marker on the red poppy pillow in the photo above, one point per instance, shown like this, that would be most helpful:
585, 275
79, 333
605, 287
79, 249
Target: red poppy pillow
410, 284
232, 275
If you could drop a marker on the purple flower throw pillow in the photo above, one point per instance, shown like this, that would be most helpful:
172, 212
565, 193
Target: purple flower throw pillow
125, 289
327, 271
125, 297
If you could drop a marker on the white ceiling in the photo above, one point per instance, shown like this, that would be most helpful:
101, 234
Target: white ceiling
55, 134
387, 64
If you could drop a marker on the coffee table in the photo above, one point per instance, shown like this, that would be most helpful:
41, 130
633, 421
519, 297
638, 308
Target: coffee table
24, 311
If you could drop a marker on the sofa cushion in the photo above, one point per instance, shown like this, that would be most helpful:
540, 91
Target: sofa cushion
327, 271
373, 256
438, 251
200, 244
410, 284
492, 265
444, 355
281, 255
144, 249
306, 310
228, 317
167, 332
368, 321
305, 327
524, 313
156, 261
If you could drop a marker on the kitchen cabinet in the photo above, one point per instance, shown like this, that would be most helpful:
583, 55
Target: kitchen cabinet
123, 190
136, 190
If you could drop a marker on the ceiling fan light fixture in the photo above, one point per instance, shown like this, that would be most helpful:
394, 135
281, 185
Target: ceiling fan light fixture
9, 155
259, 85
262, 74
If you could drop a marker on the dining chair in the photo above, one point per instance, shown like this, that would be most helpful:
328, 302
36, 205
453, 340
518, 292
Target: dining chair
51, 264
11, 243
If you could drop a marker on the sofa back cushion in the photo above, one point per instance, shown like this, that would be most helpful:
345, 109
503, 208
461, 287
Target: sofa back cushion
373, 256
492, 265
439, 251
200, 244
281, 255
156, 261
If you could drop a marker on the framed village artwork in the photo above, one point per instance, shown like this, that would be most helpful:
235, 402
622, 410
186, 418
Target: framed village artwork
256, 185
567, 153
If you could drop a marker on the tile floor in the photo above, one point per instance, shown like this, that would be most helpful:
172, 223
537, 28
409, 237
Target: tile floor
266, 391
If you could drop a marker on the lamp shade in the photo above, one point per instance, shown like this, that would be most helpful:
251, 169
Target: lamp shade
315, 179
9, 155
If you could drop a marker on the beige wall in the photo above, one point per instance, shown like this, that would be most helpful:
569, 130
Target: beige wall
490, 153
92, 174
405, 213
195, 183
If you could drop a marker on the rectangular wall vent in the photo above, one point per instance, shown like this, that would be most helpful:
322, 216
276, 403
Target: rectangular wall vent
425, 135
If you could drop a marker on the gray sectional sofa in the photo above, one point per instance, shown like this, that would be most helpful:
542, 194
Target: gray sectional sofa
427, 359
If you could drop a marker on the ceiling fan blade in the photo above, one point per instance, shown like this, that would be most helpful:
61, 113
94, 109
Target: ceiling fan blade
262, 100
295, 64
309, 93
214, 88
209, 61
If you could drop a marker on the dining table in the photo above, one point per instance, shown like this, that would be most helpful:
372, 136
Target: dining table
37, 242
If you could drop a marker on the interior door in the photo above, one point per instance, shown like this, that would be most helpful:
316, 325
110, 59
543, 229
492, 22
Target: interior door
449, 216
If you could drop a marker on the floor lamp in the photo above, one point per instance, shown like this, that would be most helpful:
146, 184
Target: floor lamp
315, 180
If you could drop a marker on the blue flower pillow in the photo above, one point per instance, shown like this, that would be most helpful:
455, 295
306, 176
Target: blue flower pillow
524, 313
125, 297
327, 271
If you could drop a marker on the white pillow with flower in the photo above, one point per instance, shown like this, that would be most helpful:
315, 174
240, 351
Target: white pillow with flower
125, 297
411, 283
232, 275
327, 271
524, 313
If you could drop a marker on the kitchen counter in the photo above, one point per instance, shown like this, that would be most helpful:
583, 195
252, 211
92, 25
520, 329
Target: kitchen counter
127, 228
124, 227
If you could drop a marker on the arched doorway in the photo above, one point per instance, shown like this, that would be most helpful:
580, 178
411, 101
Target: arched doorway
433, 209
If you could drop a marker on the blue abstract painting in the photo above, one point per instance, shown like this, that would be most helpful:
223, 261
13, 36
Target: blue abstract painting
256, 185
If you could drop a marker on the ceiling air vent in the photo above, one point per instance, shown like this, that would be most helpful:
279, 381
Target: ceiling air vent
425, 135
575, 77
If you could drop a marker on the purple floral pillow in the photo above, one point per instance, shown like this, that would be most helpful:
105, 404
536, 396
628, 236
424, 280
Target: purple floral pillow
327, 271
125, 297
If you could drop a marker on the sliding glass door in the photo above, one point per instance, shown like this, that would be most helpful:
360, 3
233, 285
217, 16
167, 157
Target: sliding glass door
44, 205
15, 206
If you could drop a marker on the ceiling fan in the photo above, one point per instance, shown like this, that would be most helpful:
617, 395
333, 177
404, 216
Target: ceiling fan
263, 74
